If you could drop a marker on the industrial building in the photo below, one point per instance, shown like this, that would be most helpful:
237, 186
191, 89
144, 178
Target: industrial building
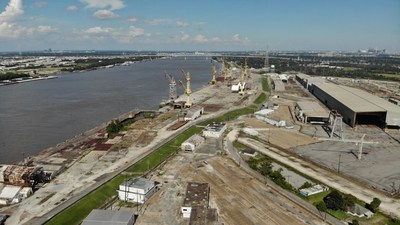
10, 194
22, 175
196, 205
214, 130
192, 143
194, 113
277, 83
107, 217
311, 112
136, 190
357, 106
354, 105
313, 190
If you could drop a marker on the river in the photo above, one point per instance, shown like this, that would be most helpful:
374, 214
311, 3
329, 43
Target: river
37, 115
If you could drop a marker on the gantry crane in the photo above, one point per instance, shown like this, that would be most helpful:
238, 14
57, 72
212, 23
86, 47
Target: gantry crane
187, 89
172, 86
214, 72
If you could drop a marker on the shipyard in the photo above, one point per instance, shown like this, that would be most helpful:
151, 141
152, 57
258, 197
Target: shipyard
199, 113
294, 126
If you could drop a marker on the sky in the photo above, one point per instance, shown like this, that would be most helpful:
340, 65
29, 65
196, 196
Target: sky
200, 25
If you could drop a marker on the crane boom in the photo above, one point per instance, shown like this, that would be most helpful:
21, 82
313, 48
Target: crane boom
172, 86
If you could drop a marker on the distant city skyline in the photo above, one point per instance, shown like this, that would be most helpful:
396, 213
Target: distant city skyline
235, 25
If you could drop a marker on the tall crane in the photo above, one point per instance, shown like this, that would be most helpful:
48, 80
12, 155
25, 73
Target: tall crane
242, 83
214, 72
172, 86
246, 68
188, 90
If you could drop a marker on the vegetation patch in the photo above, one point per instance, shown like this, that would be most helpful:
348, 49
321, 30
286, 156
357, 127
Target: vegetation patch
260, 99
264, 83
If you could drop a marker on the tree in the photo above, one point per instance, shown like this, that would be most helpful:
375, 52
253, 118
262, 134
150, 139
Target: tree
348, 201
334, 201
321, 206
373, 206
355, 222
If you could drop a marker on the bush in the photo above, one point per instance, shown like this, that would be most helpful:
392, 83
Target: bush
355, 222
321, 206
373, 206
334, 201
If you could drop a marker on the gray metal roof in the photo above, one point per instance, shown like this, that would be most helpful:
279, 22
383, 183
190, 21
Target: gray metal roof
312, 109
361, 101
140, 183
107, 217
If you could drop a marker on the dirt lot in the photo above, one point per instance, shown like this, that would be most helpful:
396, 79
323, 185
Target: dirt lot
238, 197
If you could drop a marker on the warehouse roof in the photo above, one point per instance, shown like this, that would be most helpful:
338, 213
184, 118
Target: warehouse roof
355, 99
106, 217
139, 183
361, 101
9, 192
312, 109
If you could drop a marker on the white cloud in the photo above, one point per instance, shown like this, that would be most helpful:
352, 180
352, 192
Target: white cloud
9, 29
200, 39
40, 4
98, 30
184, 36
45, 29
122, 35
181, 24
216, 40
72, 8
104, 14
136, 32
237, 39
133, 19
113, 4
12, 11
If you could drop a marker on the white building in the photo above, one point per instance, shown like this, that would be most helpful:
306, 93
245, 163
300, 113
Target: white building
10, 195
313, 190
192, 143
194, 113
136, 190
214, 130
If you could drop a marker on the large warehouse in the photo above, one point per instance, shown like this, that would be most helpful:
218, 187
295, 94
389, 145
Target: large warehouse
357, 106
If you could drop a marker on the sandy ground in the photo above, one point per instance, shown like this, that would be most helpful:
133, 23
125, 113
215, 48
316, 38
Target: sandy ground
238, 197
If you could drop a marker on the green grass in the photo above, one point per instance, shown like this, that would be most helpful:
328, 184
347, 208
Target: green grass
339, 214
260, 99
239, 146
313, 199
264, 83
79, 210
230, 116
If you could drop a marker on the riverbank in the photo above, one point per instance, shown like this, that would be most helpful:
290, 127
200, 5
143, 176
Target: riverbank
23, 80
50, 109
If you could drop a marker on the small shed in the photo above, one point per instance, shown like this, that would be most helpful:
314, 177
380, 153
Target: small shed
192, 143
